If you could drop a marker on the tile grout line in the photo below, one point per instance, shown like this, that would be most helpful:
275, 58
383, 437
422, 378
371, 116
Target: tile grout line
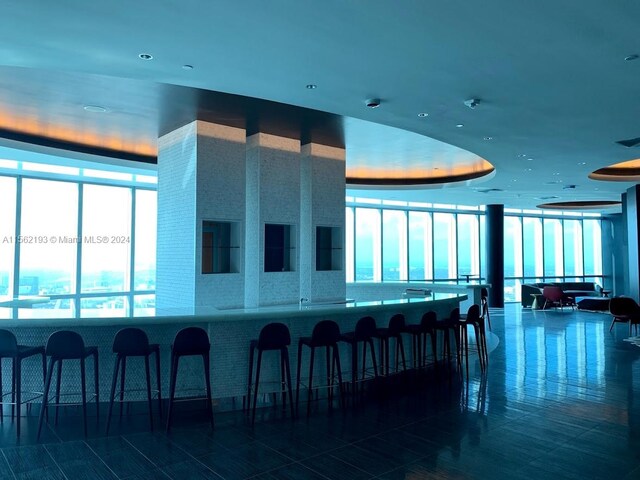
8, 464
100, 458
54, 461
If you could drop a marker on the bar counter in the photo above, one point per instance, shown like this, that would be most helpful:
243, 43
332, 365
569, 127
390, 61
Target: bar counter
230, 332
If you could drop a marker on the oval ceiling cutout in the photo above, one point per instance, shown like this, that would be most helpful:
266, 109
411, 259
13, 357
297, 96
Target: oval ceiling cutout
628, 171
583, 205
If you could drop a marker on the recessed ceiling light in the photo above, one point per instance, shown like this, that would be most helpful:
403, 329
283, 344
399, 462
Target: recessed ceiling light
145, 56
312, 86
582, 163
95, 108
530, 159
423, 114
187, 67
556, 173
528, 169
488, 138
629, 58
460, 125
521, 155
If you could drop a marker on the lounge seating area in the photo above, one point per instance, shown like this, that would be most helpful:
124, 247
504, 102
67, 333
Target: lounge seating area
569, 289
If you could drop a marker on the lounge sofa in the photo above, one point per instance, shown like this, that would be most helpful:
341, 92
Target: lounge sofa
572, 289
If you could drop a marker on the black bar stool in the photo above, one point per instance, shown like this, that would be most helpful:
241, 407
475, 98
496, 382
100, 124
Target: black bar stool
419, 332
9, 348
364, 332
273, 336
394, 331
325, 334
449, 326
67, 345
484, 295
133, 342
473, 319
190, 341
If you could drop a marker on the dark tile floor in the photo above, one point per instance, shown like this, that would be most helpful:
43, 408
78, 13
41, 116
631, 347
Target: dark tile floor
559, 401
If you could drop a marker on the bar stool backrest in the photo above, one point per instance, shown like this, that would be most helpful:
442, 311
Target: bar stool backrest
473, 314
325, 333
191, 341
131, 341
8, 344
429, 319
484, 293
454, 316
65, 344
397, 324
365, 328
274, 336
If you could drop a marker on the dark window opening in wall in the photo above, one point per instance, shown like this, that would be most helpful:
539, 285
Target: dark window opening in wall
278, 248
220, 250
328, 248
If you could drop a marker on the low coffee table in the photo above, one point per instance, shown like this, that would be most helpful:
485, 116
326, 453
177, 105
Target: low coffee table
593, 304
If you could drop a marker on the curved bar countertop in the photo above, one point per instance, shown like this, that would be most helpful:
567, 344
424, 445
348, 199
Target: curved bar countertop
230, 332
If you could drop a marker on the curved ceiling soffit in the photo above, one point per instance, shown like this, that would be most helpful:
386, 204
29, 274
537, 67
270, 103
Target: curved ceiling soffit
628, 171
580, 205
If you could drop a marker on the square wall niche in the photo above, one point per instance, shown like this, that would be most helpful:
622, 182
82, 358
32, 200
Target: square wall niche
328, 248
279, 248
220, 247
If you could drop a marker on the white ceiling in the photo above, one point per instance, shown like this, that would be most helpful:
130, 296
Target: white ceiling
551, 76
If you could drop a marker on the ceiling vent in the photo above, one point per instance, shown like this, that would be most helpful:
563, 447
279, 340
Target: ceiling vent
632, 142
488, 190
552, 197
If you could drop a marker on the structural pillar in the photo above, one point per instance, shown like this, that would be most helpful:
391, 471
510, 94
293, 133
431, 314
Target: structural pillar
495, 254
631, 207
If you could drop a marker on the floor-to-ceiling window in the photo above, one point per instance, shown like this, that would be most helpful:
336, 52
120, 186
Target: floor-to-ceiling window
396, 241
83, 237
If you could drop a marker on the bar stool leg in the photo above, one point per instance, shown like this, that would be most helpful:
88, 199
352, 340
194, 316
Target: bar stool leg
249, 383
309, 394
172, 387
255, 393
282, 383
158, 381
18, 383
114, 382
84, 394
298, 368
336, 360
96, 382
148, 378
13, 382
285, 354
354, 368
373, 359
122, 377
329, 375
59, 376
207, 375
45, 397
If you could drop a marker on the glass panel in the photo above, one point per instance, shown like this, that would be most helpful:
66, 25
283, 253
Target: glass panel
532, 247
592, 247
468, 246
512, 247
103, 307
56, 308
368, 236
553, 261
144, 305
420, 246
49, 229
106, 235
349, 244
573, 248
394, 242
144, 275
512, 291
7, 236
444, 246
